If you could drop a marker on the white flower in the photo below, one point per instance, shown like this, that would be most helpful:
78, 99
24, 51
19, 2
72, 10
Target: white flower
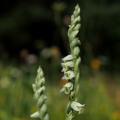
67, 87
35, 115
68, 57
77, 107
68, 75
66, 65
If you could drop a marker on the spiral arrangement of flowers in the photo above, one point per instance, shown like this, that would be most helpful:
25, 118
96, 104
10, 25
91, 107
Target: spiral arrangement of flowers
39, 96
71, 67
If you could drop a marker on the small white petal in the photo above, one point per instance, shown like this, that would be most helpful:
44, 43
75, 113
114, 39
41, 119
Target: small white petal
63, 70
67, 90
69, 74
34, 115
66, 66
68, 57
34, 87
70, 64
77, 107
68, 87
78, 104
64, 77
69, 84
63, 89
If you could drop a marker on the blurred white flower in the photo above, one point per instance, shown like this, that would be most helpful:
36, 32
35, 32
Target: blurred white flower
34, 87
68, 75
67, 87
77, 107
46, 53
68, 57
66, 65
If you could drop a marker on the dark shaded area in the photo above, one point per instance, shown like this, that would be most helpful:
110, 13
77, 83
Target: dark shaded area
23, 24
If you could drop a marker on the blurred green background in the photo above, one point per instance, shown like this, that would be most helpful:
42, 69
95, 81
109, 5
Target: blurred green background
34, 32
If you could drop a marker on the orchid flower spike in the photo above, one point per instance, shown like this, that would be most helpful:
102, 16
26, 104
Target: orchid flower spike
71, 66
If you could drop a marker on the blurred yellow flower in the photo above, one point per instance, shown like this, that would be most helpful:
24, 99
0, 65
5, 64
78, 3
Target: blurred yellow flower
55, 51
95, 63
